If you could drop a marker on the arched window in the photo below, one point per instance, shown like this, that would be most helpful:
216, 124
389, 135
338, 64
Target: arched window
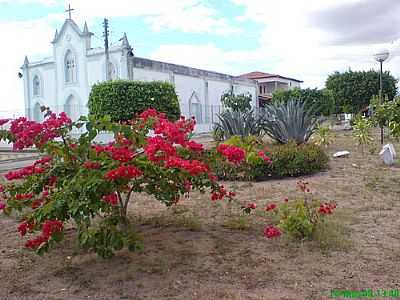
37, 113
195, 108
71, 108
70, 67
36, 86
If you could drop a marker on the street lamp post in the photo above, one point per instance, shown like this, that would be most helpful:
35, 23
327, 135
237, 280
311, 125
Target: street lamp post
380, 57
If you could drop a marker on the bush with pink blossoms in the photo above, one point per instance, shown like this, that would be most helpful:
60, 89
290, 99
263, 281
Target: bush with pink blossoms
92, 185
298, 218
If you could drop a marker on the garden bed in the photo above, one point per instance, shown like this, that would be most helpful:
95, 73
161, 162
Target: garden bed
206, 250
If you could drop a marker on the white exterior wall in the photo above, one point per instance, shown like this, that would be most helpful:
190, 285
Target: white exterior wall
150, 75
201, 88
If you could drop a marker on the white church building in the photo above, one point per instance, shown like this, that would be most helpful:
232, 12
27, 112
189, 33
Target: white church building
64, 80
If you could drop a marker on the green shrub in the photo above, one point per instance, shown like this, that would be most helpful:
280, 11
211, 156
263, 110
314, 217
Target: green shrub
288, 160
241, 103
290, 120
121, 99
232, 123
296, 160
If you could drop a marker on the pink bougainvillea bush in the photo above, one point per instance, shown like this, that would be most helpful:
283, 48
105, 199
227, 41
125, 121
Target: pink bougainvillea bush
92, 184
298, 218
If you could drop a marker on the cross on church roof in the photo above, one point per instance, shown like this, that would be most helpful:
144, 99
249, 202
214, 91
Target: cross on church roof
69, 10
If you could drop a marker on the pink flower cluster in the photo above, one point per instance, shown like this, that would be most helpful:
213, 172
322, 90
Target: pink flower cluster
91, 165
25, 227
48, 229
111, 199
234, 154
327, 208
265, 158
157, 149
272, 232
271, 206
29, 133
194, 167
24, 172
221, 193
122, 154
125, 172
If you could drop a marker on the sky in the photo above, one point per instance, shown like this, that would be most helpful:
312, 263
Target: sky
304, 39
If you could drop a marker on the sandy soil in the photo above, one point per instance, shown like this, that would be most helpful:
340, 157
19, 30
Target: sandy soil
204, 250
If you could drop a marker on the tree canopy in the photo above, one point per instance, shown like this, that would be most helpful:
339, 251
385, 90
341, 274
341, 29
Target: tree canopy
352, 91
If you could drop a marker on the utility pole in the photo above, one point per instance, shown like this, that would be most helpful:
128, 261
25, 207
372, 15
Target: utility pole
105, 34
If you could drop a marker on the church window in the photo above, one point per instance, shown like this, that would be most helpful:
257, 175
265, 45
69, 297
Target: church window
37, 113
36, 86
195, 108
71, 108
70, 67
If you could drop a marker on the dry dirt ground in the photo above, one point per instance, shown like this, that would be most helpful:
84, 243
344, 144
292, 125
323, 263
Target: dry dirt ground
206, 250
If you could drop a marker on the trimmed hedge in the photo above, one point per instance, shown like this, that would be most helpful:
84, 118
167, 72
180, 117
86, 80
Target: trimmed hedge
297, 160
288, 160
122, 99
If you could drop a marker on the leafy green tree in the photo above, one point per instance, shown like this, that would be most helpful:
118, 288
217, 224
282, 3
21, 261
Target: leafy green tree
352, 91
240, 103
321, 99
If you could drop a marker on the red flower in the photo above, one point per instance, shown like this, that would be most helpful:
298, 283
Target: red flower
123, 154
2, 206
24, 172
220, 193
194, 146
23, 196
53, 180
36, 203
157, 149
327, 208
111, 199
266, 158
125, 172
48, 229
271, 232
24, 227
232, 153
286, 199
251, 205
91, 165
149, 113
2, 188
270, 206
4, 121
194, 167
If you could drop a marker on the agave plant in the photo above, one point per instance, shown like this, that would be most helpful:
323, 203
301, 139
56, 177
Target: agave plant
232, 123
291, 120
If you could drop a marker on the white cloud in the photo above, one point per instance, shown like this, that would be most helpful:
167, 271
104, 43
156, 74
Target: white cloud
23, 38
207, 56
193, 16
40, 2
289, 45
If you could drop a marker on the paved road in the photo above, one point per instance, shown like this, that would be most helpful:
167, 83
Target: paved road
12, 165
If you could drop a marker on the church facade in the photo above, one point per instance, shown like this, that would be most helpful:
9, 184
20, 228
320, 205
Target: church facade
64, 80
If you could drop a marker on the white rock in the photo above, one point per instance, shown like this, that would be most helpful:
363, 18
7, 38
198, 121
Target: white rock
391, 148
344, 153
386, 155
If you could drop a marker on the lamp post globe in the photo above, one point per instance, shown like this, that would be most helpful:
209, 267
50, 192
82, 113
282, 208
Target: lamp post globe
381, 55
